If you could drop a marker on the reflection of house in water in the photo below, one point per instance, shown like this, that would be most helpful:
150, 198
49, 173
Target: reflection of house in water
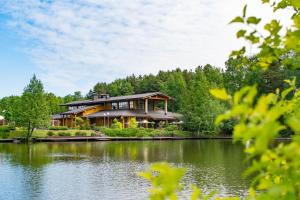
148, 108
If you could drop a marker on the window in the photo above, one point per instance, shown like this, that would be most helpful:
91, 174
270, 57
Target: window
131, 105
141, 105
123, 105
114, 105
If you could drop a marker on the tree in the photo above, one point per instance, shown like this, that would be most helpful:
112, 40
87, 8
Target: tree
10, 108
35, 110
199, 108
100, 88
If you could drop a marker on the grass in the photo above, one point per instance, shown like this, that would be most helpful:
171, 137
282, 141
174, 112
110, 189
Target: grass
111, 132
143, 132
44, 133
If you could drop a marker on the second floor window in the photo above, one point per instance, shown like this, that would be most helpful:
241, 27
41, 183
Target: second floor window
114, 105
123, 105
131, 105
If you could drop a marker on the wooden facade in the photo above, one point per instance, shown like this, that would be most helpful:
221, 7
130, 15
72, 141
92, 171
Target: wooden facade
146, 108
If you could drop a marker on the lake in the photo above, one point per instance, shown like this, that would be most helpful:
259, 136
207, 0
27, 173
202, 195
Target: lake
108, 170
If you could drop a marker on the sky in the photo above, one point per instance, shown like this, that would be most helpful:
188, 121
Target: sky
73, 44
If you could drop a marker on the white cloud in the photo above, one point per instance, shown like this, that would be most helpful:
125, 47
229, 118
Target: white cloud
78, 43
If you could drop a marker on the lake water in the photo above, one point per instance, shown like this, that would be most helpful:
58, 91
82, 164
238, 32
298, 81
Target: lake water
108, 170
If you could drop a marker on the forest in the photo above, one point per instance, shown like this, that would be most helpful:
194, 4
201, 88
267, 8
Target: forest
189, 88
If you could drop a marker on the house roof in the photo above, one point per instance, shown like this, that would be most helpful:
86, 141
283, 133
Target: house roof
79, 110
157, 115
117, 98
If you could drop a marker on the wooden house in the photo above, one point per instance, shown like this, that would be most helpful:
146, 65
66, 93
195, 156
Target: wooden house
148, 108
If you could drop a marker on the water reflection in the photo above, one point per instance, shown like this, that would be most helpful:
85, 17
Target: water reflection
107, 170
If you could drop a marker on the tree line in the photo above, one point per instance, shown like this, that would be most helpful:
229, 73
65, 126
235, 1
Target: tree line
189, 88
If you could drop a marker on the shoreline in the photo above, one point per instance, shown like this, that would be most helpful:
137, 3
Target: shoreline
98, 138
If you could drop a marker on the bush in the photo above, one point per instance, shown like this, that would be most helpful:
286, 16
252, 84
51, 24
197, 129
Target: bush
132, 123
96, 128
80, 133
50, 133
58, 128
64, 134
4, 135
6, 128
116, 124
93, 134
171, 128
85, 127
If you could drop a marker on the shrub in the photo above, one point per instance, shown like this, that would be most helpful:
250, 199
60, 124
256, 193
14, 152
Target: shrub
64, 134
4, 135
96, 128
132, 123
85, 127
58, 128
50, 133
80, 133
6, 128
93, 134
171, 128
116, 124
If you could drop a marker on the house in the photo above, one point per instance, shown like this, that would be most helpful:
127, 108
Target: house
2, 120
148, 108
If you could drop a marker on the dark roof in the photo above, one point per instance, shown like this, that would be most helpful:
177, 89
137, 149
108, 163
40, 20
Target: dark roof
160, 114
79, 110
117, 98
57, 116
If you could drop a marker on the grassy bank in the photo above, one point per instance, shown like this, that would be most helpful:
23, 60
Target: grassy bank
19, 132
12, 132
143, 132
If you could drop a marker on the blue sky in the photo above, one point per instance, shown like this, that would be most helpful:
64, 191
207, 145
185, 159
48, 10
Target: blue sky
16, 68
73, 44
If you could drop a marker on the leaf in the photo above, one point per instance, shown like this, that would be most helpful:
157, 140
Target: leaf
244, 11
241, 33
295, 3
220, 94
253, 20
296, 20
237, 20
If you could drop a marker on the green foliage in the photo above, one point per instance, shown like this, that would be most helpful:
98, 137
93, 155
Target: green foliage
142, 132
58, 128
35, 111
5, 131
116, 124
165, 184
63, 133
132, 123
80, 133
50, 133
261, 117
171, 128
200, 108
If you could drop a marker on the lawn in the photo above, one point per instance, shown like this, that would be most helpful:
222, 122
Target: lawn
111, 132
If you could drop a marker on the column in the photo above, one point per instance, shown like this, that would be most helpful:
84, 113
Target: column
166, 106
146, 106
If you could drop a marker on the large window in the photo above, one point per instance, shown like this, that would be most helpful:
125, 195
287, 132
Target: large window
141, 104
114, 105
123, 105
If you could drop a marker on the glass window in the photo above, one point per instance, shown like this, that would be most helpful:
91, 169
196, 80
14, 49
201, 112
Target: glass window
114, 105
123, 105
141, 105
131, 106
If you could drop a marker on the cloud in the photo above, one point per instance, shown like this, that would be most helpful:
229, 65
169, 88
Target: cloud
78, 43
